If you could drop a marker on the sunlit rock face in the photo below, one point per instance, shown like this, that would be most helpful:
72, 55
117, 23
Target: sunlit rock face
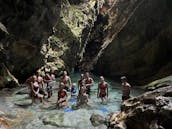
72, 30
44, 32
111, 37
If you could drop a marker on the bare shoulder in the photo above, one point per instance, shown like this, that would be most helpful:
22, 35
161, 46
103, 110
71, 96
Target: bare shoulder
127, 84
91, 78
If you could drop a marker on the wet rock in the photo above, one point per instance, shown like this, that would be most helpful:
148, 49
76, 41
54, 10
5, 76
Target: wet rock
74, 119
159, 83
97, 119
121, 125
24, 103
149, 111
4, 123
6, 78
38, 124
22, 91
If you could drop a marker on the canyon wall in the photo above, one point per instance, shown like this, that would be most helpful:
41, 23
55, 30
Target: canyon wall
109, 37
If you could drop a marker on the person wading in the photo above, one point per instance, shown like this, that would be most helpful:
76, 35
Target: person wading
102, 89
88, 82
40, 81
48, 80
81, 81
126, 87
66, 80
62, 96
36, 90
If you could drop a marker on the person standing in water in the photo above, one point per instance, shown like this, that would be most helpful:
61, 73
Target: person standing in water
88, 82
36, 90
102, 89
66, 80
82, 96
40, 81
126, 87
81, 81
48, 80
62, 96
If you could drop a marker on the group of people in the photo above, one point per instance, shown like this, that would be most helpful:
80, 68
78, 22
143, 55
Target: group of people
81, 90
36, 85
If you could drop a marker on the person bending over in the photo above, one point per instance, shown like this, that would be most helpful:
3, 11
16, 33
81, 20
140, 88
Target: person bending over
62, 96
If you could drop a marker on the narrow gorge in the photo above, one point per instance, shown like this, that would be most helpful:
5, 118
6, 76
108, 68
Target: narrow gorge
124, 37
104, 37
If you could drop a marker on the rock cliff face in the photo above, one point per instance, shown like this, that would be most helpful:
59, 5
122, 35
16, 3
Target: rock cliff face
135, 42
111, 37
44, 32
29, 24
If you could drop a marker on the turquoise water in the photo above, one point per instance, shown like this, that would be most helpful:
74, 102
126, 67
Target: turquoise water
32, 116
115, 94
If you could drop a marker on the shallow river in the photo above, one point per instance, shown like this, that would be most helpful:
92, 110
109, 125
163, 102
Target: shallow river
38, 116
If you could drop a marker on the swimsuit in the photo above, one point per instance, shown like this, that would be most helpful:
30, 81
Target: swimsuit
35, 88
88, 81
61, 94
65, 81
102, 90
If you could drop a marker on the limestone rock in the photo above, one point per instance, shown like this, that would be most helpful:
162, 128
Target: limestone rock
159, 83
97, 119
75, 119
122, 44
24, 103
148, 111
6, 78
